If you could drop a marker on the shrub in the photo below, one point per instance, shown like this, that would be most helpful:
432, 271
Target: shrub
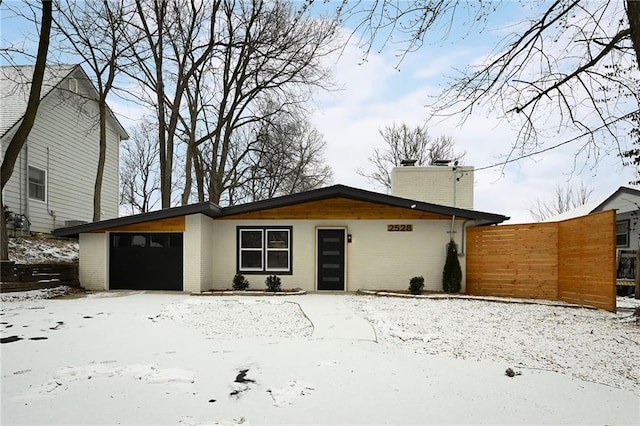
273, 283
416, 284
240, 283
452, 274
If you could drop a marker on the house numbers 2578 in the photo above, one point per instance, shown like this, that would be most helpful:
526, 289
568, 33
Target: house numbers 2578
399, 228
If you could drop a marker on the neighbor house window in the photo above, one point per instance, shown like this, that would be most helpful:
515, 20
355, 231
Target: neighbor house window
37, 183
264, 250
622, 233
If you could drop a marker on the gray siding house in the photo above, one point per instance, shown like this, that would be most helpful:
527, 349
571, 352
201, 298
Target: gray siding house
53, 181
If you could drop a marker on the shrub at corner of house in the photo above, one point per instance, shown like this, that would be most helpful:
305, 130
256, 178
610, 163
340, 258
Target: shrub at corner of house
273, 283
452, 274
416, 284
240, 283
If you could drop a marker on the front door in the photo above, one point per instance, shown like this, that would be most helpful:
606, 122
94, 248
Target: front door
331, 259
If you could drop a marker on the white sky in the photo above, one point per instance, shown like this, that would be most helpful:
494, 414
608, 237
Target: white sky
375, 94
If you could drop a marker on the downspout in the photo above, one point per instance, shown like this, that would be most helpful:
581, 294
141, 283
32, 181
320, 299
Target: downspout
51, 212
464, 233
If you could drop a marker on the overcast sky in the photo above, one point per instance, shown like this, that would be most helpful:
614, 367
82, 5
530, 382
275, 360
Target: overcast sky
376, 94
381, 91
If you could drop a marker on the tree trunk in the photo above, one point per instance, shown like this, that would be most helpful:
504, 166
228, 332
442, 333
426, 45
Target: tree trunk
20, 137
633, 14
97, 189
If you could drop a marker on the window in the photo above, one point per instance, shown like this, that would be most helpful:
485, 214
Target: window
622, 233
37, 183
264, 250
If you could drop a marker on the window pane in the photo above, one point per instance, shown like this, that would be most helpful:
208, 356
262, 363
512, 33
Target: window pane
139, 241
621, 228
621, 239
251, 239
250, 259
278, 239
278, 260
37, 183
158, 240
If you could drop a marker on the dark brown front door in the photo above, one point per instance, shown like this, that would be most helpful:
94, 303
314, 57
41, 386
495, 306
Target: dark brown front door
331, 259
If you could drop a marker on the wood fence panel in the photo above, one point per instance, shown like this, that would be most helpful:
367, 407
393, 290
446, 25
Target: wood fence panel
587, 271
573, 260
19, 277
513, 261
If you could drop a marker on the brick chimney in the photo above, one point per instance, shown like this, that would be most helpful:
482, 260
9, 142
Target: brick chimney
435, 184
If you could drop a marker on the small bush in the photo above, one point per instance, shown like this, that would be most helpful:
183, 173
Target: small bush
273, 283
240, 283
416, 284
452, 274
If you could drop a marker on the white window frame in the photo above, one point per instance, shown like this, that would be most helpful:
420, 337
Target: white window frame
277, 249
265, 249
44, 185
627, 234
250, 249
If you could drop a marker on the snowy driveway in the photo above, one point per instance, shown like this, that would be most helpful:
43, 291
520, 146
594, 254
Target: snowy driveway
151, 358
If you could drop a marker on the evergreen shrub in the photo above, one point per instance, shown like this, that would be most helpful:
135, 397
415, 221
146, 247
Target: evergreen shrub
240, 283
416, 284
452, 274
273, 283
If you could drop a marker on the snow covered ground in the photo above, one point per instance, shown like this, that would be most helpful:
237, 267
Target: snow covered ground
42, 249
168, 358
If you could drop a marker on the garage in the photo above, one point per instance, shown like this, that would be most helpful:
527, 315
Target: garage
146, 261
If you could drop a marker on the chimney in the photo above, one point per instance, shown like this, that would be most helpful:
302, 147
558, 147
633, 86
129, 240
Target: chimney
444, 184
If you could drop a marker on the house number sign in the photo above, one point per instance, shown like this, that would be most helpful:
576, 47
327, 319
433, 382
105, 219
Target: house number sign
399, 228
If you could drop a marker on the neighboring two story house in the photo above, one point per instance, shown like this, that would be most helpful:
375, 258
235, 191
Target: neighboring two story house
52, 185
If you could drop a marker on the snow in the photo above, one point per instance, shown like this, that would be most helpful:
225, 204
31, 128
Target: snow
169, 358
42, 249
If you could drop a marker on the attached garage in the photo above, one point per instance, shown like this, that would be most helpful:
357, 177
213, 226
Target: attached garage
146, 261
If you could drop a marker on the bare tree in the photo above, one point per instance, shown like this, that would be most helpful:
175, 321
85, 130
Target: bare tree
406, 143
95, 32
288, 158
20, 137
177, 38
570, 66
139, 171
565, 198
267, 62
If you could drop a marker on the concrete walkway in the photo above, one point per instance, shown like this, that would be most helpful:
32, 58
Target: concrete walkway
333, 319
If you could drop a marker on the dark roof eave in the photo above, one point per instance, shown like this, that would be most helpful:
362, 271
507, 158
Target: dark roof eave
207, 208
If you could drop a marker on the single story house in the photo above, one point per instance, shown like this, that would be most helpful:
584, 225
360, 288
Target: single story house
336, 238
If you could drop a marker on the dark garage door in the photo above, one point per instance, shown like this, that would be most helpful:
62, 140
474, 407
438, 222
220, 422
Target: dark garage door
145, 261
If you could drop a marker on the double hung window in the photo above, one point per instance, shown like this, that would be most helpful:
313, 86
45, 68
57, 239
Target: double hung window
264, 249
622, 233
37, 183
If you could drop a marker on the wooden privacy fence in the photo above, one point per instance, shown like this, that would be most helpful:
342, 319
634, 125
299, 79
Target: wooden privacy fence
573, 260
36, 276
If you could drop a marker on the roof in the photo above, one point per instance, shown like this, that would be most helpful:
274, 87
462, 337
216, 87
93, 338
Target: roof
629, 190
336, 191
15, 85
594, 206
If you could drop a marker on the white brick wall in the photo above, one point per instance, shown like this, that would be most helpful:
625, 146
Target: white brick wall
198, 253
434, 184
94, 261
376, 259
